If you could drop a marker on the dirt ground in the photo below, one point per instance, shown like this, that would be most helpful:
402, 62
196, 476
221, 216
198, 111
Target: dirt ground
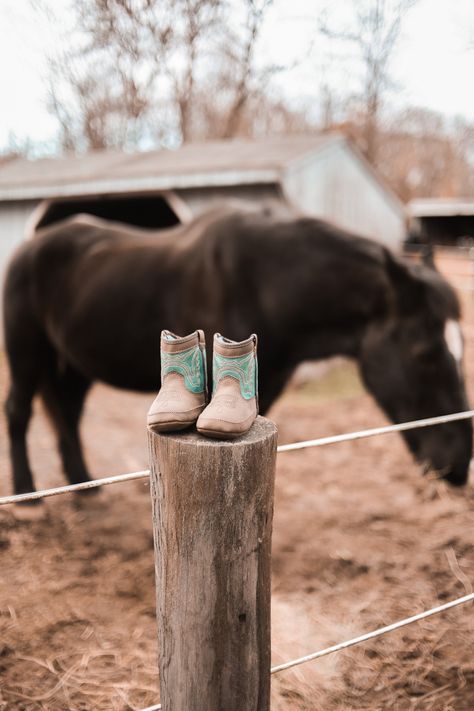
360, 540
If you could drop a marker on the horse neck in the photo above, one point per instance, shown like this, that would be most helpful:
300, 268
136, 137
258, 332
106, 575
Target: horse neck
332, 299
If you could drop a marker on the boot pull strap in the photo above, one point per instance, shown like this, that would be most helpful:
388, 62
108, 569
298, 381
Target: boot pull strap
201, 337
255, 344
202, 347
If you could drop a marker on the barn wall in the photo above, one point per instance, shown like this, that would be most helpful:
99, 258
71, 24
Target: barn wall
336, 185
200, 199
14, 217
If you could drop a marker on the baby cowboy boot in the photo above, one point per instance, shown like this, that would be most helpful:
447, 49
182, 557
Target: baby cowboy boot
233, 407
183, 394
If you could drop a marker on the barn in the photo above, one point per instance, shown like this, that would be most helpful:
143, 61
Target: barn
321, 175
443, 221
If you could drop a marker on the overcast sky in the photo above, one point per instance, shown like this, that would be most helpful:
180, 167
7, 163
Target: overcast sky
433, 65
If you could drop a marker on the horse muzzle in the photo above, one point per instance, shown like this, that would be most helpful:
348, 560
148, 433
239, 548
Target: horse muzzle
446, 451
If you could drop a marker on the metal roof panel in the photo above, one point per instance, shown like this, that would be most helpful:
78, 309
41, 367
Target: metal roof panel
195, 164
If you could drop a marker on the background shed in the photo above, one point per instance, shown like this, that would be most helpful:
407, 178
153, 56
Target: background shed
444, 221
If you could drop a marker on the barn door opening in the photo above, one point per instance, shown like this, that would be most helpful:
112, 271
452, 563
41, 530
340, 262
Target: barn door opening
152, 211
449, 230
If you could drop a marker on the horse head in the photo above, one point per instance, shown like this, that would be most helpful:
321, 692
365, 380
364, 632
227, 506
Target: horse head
411, 360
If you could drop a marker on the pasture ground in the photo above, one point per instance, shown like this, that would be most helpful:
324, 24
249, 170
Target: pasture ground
360, 540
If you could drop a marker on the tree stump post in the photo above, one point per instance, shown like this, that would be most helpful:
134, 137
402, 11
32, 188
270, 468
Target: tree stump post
212, 522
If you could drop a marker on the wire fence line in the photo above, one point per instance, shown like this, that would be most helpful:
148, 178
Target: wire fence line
375, 633
362, 638
320, 442
362, 434
82, 486
350, 436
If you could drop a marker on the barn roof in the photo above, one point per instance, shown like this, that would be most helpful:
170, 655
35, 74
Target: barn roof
441, 207
211, 164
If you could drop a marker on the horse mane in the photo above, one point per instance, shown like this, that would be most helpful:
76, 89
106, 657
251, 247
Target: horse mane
422, 284
440, 294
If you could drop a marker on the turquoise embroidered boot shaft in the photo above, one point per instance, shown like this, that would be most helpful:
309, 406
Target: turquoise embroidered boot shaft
183, 393
234, 404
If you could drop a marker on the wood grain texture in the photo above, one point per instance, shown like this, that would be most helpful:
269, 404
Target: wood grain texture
212, 518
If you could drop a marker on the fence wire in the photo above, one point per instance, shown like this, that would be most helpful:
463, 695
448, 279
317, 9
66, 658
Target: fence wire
347, 437
362, 638
334, 439
375, 633
362, 434
82, 486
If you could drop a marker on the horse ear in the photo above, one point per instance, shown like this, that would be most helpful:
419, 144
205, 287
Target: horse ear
408, 286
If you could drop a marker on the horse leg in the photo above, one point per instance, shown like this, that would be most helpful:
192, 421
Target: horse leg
64, 394
26, 349
18, 414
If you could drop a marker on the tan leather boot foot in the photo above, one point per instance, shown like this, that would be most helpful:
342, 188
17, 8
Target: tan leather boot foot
233, 407
183, 394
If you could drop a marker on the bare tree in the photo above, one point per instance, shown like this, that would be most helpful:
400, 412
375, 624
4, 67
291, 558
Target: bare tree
424, 154
15, 147
142, 72
244, 62
108, 86
374, 31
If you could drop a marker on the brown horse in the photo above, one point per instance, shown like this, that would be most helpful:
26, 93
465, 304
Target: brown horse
86, 300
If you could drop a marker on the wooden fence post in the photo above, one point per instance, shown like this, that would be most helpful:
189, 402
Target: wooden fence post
212, 522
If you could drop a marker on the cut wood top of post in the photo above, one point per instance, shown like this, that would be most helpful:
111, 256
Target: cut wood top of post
261, 430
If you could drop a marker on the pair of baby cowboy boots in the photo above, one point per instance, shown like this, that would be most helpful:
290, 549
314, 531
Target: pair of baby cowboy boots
183, 398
